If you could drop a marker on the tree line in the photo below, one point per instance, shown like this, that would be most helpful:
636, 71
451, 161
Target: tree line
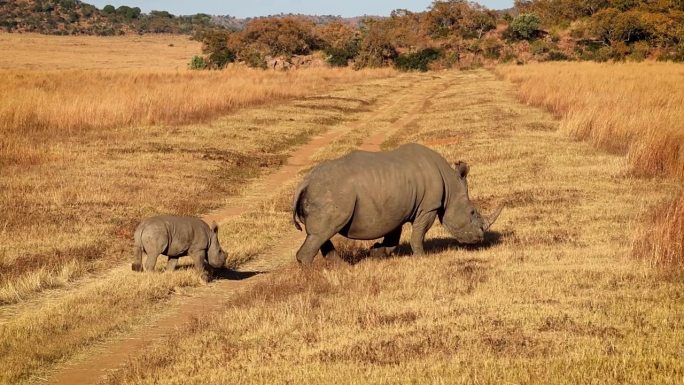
458, 33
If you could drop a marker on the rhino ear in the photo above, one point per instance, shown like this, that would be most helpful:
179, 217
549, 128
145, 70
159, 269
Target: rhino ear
462, 169
214, 227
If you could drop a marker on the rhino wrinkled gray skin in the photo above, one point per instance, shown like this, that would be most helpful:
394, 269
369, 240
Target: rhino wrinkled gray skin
366, 195
176, 237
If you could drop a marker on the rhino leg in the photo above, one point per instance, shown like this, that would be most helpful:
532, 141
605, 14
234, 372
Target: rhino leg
310, 248
171, 264
328, 249
388, 245
151, 260
198, 258
137, 258
420, 227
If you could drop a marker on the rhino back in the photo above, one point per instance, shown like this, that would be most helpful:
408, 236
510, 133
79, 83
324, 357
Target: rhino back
386, 189
182, 234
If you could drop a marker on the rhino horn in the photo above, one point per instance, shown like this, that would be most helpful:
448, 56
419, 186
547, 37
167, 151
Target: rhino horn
488, 221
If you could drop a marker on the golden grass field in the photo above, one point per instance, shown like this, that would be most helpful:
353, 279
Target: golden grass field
86, 149
553, 296
628, 108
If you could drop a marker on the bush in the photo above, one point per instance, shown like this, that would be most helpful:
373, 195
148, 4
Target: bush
639, 51
198, 63
216, 45
524, 27
253, 58
556, 55
675, 55
340, 43
417, 61
491, 48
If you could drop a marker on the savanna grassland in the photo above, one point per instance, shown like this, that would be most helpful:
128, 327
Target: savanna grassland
81, 145
630, 109
552, 296
86, 152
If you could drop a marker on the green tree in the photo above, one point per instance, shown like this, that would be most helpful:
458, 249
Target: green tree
109, 9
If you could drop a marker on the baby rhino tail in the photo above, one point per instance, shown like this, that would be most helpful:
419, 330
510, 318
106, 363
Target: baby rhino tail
301, 189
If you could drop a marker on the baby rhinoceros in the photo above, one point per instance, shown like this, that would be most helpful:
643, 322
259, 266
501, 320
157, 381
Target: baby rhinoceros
175, 237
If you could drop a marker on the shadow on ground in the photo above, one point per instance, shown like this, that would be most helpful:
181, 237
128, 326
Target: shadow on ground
356, 253
233, 275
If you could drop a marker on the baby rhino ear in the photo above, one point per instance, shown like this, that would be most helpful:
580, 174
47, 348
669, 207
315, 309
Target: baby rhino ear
214, 227
462, 168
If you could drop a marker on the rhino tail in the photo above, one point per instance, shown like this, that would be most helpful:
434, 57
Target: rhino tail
137, 251
295, 204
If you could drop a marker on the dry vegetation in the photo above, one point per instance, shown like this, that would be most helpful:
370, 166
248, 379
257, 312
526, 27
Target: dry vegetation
83, 149
91, 197
30, 51
550, 298
627, 108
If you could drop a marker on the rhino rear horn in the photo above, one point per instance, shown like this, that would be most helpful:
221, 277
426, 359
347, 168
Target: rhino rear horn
489, 220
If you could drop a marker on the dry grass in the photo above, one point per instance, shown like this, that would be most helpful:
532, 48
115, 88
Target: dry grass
629, 108
211, 165
40, 107
108, 138
550, 298
660, 241
30, 51
113, 304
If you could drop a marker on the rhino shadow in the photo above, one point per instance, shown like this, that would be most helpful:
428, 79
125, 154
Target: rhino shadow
233, 275
438, 245
431, 246
224, 273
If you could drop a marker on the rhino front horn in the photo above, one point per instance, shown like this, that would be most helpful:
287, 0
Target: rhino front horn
489, 221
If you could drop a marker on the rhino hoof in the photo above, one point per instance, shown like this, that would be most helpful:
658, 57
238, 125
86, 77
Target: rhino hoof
136, 267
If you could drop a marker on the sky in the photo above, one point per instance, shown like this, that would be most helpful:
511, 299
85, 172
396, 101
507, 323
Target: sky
247, 8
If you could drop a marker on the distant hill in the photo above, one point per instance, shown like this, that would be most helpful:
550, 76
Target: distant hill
234, 23
57, 17
73, 17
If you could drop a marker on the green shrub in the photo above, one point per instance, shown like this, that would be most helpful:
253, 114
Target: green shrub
338, 57
417, 61
526, 26
109, 9
198, 63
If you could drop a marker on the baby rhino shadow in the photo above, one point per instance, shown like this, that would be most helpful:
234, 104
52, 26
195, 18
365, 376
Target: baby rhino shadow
224, 274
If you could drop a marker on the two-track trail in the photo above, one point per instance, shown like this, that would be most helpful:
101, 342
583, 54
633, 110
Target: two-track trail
400, 110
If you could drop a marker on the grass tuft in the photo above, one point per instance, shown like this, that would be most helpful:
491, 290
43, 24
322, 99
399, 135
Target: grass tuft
660, 241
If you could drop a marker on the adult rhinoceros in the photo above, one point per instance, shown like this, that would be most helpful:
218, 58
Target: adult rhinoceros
367, 195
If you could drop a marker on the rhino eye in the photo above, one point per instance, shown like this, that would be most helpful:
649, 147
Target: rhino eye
472, 212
